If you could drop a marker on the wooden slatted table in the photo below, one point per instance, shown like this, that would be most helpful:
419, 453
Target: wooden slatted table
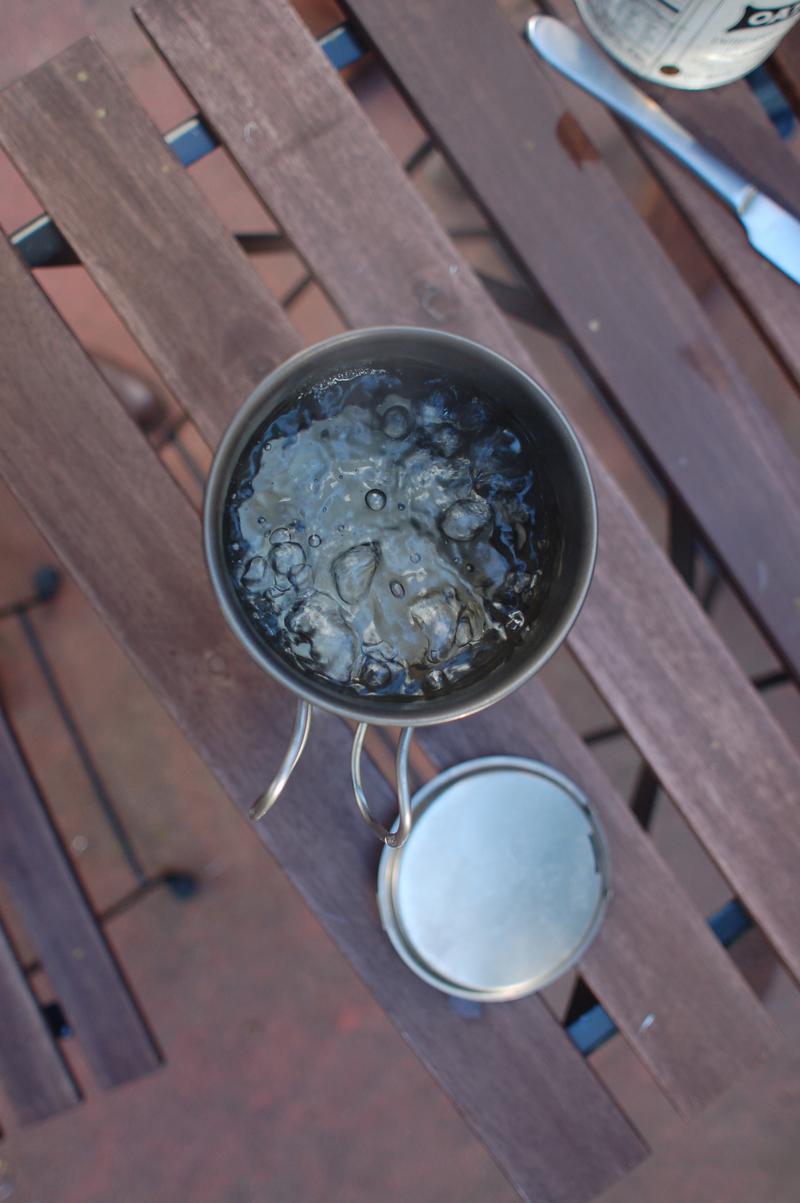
133, 216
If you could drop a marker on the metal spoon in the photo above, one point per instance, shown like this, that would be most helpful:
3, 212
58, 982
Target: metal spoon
772, 231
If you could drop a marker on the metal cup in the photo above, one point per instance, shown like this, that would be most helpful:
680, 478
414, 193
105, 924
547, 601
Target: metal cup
568, 472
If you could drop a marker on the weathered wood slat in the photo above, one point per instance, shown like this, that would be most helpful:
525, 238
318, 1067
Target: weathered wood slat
129, 536
504, 1069
234, 330
33, 1072
696, 1060
785, 66
519, 149
54, 908
697, 982
731, 122
657, 628
756, 841
743, 1149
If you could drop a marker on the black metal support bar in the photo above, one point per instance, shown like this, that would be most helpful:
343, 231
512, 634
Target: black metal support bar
643, 798
181, 883
682, 541
593, 1027
171, 439
84, 755
264, 243
581, 1001
524, 303
418, 156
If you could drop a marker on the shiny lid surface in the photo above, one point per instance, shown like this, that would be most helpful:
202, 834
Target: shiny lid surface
503, 881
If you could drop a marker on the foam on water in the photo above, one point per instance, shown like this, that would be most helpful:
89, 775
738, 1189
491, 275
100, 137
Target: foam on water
391, 534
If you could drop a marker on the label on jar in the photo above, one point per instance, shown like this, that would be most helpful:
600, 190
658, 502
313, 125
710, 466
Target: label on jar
689, 43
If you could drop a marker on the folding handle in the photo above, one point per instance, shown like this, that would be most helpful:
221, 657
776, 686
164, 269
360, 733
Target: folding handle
297, 742
299, 738
397, 837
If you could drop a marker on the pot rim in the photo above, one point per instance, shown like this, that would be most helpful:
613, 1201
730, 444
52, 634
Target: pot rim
381, 711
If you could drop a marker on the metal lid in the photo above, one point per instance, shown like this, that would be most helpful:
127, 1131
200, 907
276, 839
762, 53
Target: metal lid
502, 883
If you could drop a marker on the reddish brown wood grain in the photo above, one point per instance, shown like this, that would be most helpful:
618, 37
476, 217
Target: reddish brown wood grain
640, 645
33, 1072
709, 1041
743, 1149
160, 238
785, 66
130, 538
732, 123
626, 307
698, 978
756, 844
56, 913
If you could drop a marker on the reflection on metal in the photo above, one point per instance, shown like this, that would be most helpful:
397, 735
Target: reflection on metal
503, 882
297, 742
399, 833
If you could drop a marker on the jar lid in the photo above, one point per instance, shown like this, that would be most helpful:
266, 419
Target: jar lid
502, 883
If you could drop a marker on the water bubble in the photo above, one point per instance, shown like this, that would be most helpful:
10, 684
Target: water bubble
415, 557
464, 632
400, 505
436, 616
301, 578
340, 527
261, 520
474, 414
375, 499
287, 556
396, 589
254, 573
375, 674
314, 540
465, 518
396, 422
435, 679
353, 571
491, 567
280, 535
268, 446
318, 622
280, 586
446, 440
370, 637
331, 400
497, 462
436, 408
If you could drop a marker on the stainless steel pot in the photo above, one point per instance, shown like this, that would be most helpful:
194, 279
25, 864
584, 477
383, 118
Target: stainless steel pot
569, 475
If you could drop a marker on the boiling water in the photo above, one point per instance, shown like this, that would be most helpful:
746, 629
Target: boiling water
391, 534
